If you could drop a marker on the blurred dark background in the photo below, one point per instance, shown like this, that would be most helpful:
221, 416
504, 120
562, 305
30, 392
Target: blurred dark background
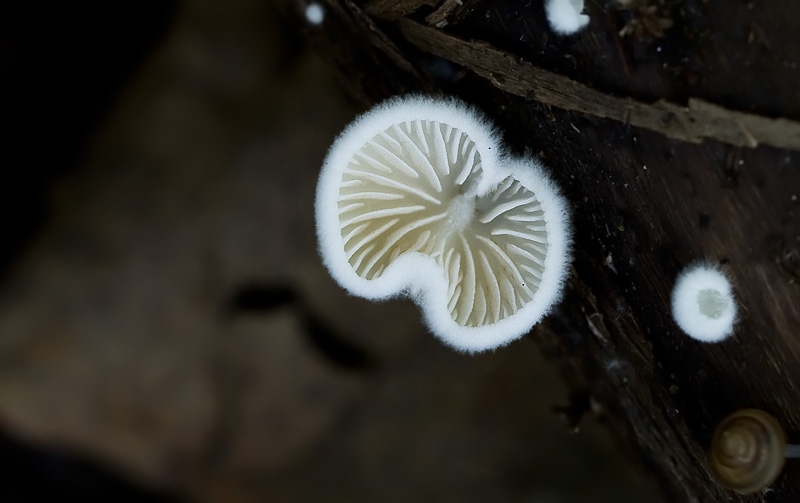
62, 67
167, 332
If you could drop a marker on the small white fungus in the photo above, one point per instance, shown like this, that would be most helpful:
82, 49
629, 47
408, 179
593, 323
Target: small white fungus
703, 304
315, 14
417, 198
565, 16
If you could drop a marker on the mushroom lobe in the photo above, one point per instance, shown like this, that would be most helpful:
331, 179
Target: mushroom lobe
413, 188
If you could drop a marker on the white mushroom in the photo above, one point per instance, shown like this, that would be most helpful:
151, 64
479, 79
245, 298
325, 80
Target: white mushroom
315, 14
416, 198
703, 304
565, 16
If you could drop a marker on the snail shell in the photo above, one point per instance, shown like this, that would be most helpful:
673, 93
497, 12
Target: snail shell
748, 451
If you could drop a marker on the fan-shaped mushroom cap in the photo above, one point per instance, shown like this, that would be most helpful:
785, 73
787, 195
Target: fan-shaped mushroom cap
703, 304
416, 197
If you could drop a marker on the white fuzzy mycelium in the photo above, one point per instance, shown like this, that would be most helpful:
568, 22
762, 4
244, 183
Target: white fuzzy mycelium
417, 198
703, 304
565, 16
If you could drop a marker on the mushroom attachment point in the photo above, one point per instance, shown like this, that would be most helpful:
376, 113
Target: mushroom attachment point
417, 198
703, 304
565, 16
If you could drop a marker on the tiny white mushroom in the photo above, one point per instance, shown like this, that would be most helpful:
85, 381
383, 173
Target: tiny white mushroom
565, 16
315, 14
703, 304
417, 198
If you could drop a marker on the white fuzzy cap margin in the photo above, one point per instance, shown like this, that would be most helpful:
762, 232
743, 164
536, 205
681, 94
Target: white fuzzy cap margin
703, 304
417, 275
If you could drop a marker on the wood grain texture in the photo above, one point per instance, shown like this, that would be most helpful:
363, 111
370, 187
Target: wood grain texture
692, 123
393, 10
443, 11
646, 205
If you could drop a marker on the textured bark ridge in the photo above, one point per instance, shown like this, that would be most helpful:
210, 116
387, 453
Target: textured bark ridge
673, 129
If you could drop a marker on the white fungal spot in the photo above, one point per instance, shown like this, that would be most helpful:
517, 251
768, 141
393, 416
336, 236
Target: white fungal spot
315, 14
703, 304
565, 16
416, 198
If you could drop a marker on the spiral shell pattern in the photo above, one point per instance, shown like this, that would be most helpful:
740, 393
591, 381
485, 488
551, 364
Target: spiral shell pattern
748, 451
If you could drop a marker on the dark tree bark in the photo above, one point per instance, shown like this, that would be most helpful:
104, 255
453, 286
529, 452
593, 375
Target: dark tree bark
671, 128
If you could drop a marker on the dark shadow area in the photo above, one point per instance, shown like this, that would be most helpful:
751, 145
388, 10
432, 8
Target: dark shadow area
62, 66
32, 474
261, 299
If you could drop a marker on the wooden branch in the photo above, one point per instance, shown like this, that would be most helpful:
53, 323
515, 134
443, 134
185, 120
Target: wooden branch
392, 10
693, 123
446, 11
439, 17
451, 11
378, 38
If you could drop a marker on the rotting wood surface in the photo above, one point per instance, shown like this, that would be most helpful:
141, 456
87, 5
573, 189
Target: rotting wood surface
692, 123
647, 198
